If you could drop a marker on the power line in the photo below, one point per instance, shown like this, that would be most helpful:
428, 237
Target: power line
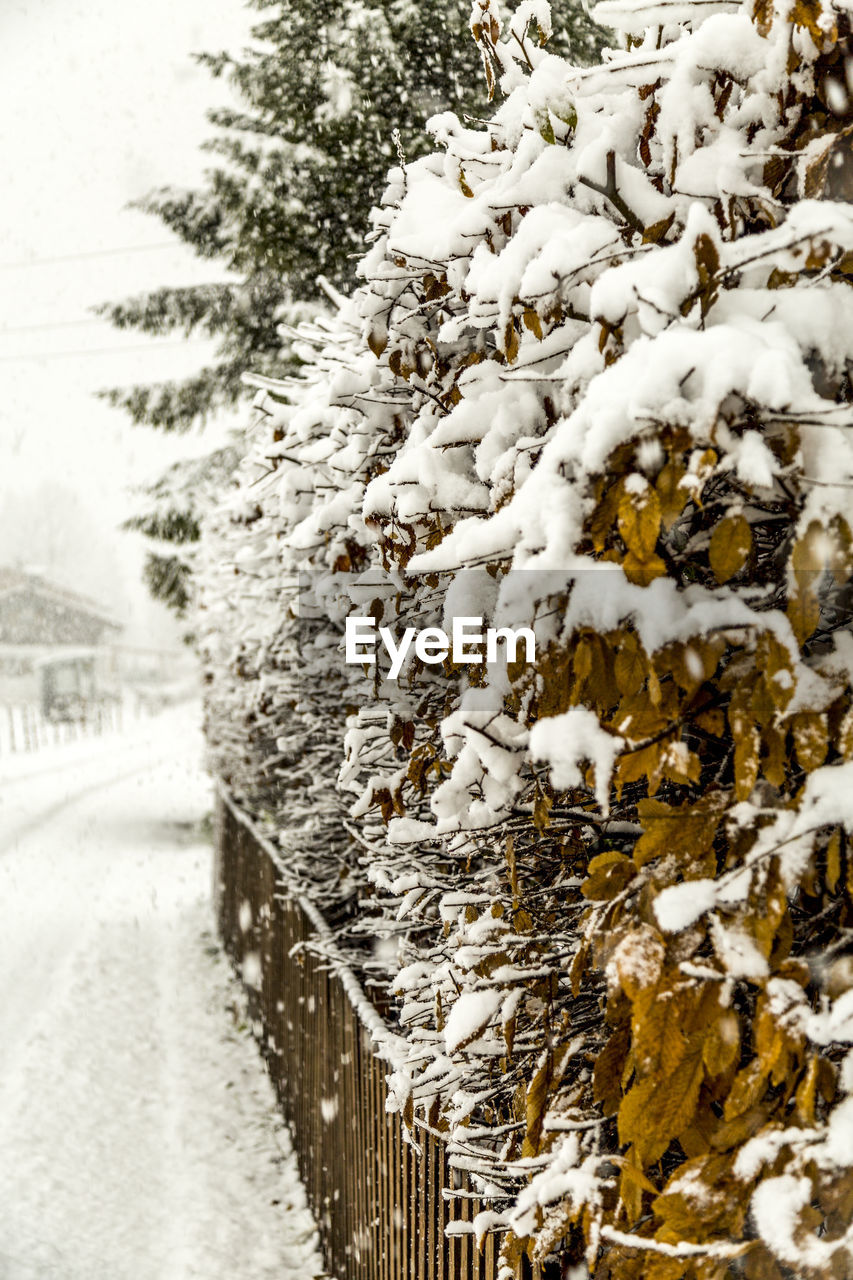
31, 356
48, 324
91, 253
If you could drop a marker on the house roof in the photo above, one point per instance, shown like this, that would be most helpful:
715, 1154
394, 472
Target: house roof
14, 581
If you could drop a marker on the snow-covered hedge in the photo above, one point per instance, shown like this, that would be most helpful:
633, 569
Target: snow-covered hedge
598, 382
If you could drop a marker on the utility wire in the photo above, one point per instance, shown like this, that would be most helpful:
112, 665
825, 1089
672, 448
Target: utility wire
48, 324
35, 356
92, 253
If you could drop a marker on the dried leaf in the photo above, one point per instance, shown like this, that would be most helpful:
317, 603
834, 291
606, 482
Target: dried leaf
803, 612
731, 543
608, 874
532, 322
639, 522
833, 861
631, 665
811, 739
607, 1073
748, 1088
673, 497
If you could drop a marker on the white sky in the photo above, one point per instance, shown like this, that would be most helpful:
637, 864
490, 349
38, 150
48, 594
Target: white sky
100, 102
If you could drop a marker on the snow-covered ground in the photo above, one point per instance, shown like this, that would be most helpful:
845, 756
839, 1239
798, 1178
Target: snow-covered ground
139, 1138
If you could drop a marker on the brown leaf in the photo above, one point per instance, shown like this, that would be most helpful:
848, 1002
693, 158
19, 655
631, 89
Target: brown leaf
532, 322
377, 340
511, 343
657, 231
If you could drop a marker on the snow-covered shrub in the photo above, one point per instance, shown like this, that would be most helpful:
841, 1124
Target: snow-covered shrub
606, 372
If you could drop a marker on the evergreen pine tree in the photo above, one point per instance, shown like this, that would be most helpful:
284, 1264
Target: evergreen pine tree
327, 92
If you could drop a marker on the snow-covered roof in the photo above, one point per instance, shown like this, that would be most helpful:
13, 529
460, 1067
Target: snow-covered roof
15, 582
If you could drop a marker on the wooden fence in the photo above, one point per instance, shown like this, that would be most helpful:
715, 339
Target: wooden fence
24, 728
381, 1204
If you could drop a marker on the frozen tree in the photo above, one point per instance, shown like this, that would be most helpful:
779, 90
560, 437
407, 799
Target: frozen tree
603, 390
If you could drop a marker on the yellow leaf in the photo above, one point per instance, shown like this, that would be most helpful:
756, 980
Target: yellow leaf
748, 1088
657, 1110
633, 1172
536, 1103
747, 754
807, 1091
608, 874
541, 810
774, 661
633, 766
809, 14
656, 232
639, 521
774, 761
607, 1073
642, 572
603, 518
731, 543
631, 665
638, 961
803, 611
722, 1044
687, 833
678, 764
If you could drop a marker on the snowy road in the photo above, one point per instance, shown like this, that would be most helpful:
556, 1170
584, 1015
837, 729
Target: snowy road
138, 1134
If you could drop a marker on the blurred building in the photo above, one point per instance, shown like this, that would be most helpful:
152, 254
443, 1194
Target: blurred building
35, 613
57, 647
